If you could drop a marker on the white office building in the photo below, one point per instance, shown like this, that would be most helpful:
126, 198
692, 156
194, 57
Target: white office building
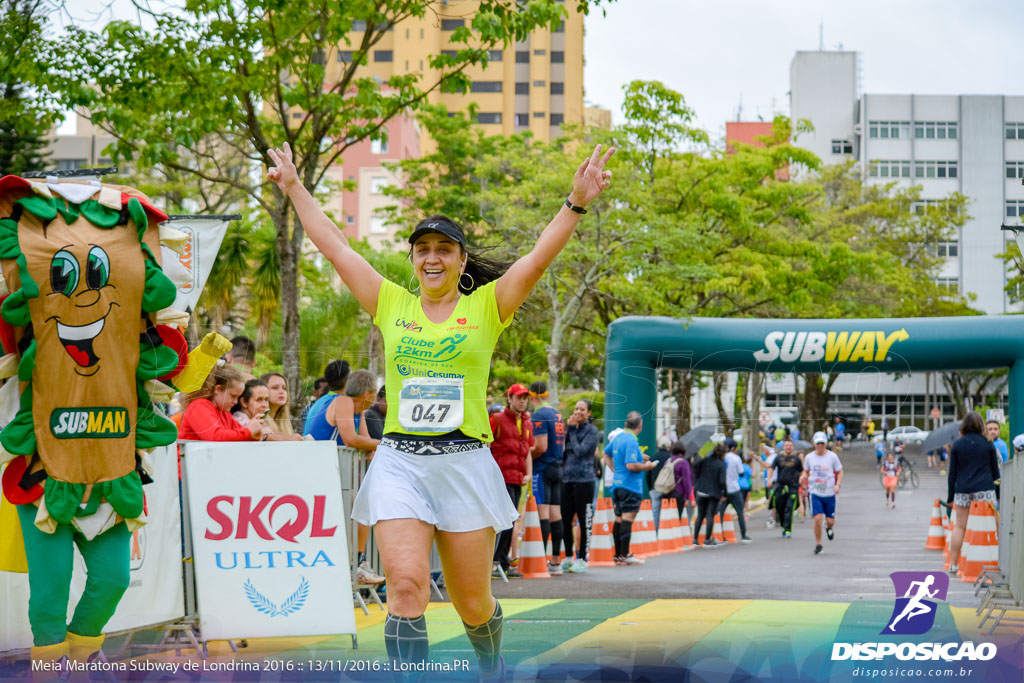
973, 144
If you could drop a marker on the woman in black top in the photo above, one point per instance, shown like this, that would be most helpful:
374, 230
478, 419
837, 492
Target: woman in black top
709, 484
578, 483
973, 471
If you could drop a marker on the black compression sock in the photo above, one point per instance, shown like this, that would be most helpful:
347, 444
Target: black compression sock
361, 557
406, 639
556, 539
616, 528
545, 532
626, 531
486, 640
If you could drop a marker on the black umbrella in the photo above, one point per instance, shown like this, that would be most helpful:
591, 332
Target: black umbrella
697, 437
947, 433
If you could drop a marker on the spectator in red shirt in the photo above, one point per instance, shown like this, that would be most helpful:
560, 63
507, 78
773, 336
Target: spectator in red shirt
513, 439
207, 414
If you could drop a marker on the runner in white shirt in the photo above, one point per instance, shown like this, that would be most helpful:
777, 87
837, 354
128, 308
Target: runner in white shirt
823, 474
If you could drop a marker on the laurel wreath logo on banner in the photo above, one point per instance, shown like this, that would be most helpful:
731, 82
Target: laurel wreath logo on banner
262, 604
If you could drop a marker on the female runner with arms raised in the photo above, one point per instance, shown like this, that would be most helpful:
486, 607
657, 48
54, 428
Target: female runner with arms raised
433, 478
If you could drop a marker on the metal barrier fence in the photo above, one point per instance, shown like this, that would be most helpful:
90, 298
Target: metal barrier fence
353, 464
1011, 527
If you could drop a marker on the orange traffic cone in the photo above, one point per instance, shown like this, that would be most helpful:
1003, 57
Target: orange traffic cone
602, 545
984, 550
936, 536
533, 561
645, 541
728, 528
667, 528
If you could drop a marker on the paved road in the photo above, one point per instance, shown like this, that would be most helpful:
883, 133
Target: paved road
871, 542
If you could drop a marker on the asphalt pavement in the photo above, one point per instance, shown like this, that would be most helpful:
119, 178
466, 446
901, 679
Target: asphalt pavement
870, 543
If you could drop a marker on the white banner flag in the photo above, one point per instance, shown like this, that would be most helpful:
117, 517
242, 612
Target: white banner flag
268, 537
204, 238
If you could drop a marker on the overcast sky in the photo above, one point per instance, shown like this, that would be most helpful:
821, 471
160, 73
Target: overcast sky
716, 52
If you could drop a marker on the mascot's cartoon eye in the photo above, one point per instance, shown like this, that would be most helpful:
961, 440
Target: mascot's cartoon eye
97, 269
64, 273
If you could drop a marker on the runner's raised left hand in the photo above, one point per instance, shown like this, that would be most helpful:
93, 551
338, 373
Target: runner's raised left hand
591, 179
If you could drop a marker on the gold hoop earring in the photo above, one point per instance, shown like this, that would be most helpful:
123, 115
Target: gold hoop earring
472, 282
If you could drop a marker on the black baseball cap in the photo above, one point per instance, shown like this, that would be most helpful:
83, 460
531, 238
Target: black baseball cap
441, 225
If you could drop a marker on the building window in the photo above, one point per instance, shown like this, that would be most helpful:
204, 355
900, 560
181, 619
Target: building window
452, 24
522, 88
489, 117
935, 169
921, 206
358, 25
560, 28
378, 226
450, 53
1015, 209
377, 184
1015, 169
494, 55
944, 249
557, 57
522, 56
319, 57
950, 284
539, 84
70, 164
378, 146
522, 119
421, 34
1015, 131
297, 115
889, 129
345, 56
557, 119
383, 56
842, 147
486, 86
887, 168
538, 114
557, 88
935, 130
350, 219
539, 53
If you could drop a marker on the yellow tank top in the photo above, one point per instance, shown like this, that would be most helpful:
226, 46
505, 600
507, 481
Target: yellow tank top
435, 371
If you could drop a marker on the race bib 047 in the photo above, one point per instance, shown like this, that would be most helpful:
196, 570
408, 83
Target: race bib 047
431, 405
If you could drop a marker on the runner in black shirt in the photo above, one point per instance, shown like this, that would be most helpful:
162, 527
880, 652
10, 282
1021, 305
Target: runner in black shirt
787, 468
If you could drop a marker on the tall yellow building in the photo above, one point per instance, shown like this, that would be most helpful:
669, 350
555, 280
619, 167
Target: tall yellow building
534, 85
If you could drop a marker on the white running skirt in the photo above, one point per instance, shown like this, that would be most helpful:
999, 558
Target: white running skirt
453, 492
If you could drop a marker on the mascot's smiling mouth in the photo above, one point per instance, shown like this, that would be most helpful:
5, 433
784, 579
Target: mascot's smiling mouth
78, 339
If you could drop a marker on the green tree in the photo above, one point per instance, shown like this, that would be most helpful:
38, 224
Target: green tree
248, 76
27, 109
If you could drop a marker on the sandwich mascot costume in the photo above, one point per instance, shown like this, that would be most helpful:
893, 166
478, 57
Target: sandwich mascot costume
88, 338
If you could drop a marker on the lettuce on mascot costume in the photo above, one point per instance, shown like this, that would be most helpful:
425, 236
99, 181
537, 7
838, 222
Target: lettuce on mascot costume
84, 298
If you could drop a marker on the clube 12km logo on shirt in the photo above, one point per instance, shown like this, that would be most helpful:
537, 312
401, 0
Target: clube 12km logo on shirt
913, 614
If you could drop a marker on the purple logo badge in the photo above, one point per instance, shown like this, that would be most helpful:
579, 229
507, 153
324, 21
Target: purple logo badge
914, 611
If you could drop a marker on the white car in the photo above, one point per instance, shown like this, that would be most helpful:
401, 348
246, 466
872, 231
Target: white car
907, 434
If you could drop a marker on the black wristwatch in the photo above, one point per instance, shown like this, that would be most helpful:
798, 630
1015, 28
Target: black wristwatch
573, 207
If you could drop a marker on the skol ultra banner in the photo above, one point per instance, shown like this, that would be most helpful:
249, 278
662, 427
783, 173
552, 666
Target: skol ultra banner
269, 544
